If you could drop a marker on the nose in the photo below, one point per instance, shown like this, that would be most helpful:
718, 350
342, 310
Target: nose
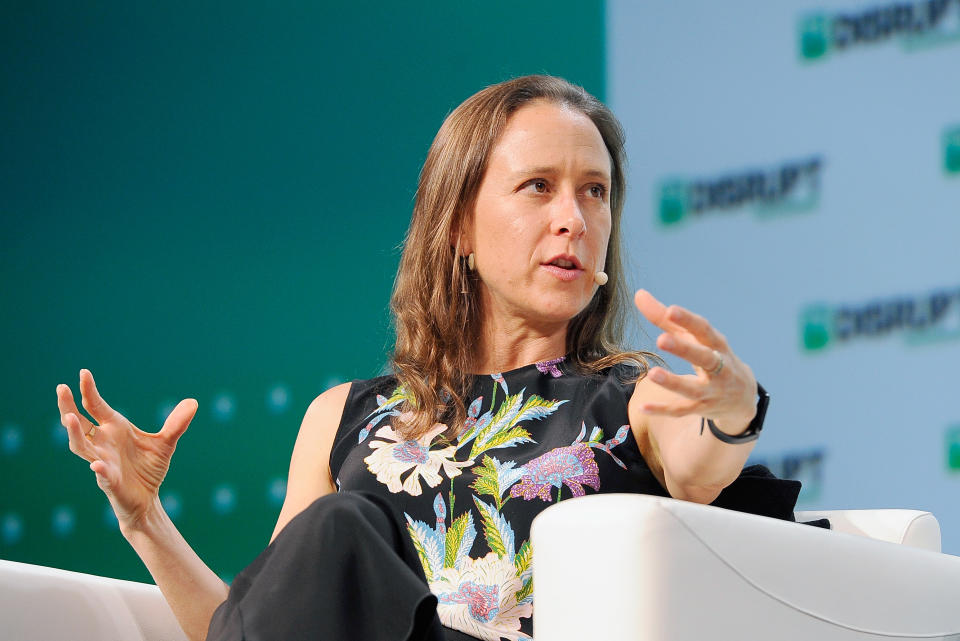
568, 219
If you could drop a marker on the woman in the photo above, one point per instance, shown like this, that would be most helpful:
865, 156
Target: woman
510, 392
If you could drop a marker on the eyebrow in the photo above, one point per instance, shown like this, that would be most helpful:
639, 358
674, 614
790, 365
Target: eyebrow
546, 170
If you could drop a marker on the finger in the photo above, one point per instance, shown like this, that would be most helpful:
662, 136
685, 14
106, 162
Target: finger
91, 399
691, 351
654, 310
697, 325
103, 472
79, 443
687, 386
178, 420
67, 405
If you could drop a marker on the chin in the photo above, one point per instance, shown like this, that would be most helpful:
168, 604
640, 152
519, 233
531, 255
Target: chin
561, 310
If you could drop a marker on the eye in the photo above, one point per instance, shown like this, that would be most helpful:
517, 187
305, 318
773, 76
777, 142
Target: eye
598, 190
537, 184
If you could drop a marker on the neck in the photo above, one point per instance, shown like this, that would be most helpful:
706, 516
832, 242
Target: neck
509, 344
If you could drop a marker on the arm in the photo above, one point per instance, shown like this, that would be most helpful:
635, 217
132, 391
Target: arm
130, 465
666, 409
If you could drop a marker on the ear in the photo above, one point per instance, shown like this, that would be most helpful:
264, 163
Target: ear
461, 238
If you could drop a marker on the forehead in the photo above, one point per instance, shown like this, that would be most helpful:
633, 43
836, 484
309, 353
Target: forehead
544, 134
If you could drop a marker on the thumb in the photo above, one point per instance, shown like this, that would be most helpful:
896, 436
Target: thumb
178, 420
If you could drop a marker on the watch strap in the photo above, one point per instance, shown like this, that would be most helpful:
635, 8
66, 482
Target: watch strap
752, 432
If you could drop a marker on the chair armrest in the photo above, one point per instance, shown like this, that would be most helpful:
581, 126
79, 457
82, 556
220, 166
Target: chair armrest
40, 603
674, 571
906, 527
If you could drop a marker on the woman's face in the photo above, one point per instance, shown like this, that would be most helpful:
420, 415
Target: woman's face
541, 220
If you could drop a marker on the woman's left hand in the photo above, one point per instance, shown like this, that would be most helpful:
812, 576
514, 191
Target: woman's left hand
722, 389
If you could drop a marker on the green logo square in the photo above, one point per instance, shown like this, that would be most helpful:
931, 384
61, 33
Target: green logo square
952, 444
813, 36
673, 204
951, 150
815, 327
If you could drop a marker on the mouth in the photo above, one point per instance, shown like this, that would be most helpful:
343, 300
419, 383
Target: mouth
565, 267
566, 262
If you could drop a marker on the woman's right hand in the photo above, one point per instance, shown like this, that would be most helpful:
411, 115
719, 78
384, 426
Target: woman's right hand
129, 464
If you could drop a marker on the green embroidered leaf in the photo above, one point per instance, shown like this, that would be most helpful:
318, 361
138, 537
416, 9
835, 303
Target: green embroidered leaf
507, 409
454, 538
516, 434
490, 529
418, 545
525, 591
523, 558
487, 482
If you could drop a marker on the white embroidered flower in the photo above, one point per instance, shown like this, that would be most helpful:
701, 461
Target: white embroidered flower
392, 457
480, 598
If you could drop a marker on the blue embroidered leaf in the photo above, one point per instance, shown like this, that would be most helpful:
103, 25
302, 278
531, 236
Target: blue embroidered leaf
620, 437
596, 435
507, 474
497, 530
583, 432
397, 397
441, 511
502, 420
429, 544
503, 383
474, 408
461, 531
475, 429
536, 408
466, 543
373, 423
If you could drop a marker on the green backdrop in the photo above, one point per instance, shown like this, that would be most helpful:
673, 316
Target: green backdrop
208, 201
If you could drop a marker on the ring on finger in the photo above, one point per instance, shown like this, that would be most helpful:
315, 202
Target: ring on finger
719, 366
93, 430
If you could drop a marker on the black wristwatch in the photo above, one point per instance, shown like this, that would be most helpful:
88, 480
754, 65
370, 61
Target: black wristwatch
752, 432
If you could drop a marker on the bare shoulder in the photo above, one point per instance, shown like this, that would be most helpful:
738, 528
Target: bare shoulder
309, 476
328, 405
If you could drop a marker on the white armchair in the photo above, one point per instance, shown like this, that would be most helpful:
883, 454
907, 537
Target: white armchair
625, 568
632, 567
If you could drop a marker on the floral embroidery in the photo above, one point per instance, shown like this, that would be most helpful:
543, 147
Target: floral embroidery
390, 460
502, 429
489, 596
484, 597
481, 599
550, 367
573, 466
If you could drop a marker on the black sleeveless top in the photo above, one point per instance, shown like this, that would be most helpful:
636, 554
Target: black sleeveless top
534, 436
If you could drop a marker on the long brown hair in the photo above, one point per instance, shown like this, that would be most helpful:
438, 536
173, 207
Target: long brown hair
436, 299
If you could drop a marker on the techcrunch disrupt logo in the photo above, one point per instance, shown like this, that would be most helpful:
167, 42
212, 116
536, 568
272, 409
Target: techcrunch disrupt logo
789, 187
915, 24
951, 150
921, 319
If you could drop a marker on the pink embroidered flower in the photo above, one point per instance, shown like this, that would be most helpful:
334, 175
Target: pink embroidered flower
573, 466
550, 367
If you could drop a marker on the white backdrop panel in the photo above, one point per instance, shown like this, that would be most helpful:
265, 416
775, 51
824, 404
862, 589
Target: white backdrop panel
712, 91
